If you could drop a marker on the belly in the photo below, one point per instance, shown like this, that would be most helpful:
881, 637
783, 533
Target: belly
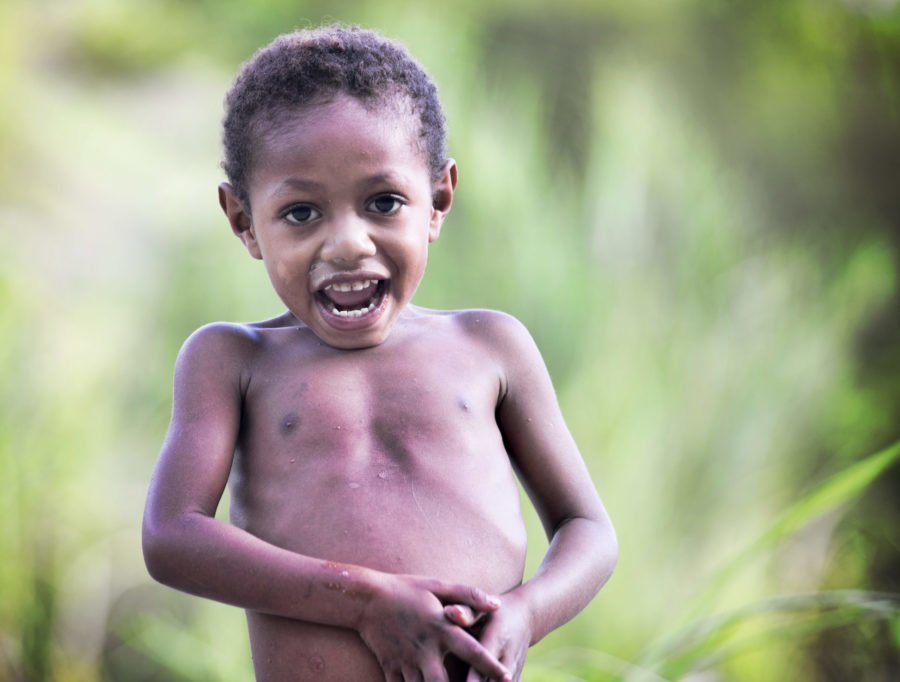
427, 538
286, 650
457, 520
456, 525
291, 651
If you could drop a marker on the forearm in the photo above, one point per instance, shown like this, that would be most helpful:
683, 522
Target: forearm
200, 555
579, 561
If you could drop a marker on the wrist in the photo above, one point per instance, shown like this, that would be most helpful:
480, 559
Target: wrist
369, 588
518, 599
338, 594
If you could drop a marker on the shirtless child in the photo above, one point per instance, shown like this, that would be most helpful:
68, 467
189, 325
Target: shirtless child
369, 444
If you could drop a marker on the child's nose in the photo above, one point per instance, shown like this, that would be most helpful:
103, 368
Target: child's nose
348, 241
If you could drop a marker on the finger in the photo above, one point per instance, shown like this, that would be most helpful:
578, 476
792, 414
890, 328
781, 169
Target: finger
393, 675
474, 676
496, 649
435, 672
472, 652
462, 615
468, 595
514, 663
410, 674
514, 672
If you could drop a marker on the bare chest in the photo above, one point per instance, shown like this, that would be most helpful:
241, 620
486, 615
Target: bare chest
340, 452
367, 404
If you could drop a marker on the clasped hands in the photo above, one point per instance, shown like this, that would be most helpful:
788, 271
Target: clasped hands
411, 623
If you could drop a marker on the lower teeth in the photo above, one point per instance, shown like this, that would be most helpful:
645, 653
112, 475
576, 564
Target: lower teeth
353, 313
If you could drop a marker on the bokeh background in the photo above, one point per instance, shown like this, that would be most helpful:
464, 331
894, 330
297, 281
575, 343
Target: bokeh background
693, 204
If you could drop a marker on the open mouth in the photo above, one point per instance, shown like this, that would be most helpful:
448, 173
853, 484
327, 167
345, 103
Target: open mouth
350, 300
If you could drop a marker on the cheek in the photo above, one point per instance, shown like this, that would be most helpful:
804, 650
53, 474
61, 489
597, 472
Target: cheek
281, 270
284, 276
418, 261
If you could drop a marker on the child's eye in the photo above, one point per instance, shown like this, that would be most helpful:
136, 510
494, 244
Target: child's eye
301, 214
386, 204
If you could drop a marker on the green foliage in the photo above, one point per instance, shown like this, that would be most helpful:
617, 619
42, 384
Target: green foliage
831, 496
690, 204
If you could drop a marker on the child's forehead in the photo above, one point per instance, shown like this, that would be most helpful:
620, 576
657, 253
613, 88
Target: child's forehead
345, 115
395, 110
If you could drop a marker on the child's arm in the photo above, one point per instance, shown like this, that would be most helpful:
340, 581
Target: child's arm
583, 547
186, 548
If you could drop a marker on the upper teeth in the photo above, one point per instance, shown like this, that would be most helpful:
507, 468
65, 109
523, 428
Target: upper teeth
352, 286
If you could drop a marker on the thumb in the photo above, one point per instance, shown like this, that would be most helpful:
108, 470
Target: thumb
462, 615
466, 595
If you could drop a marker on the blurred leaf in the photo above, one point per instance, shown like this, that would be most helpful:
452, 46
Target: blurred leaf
836, 492
794, 617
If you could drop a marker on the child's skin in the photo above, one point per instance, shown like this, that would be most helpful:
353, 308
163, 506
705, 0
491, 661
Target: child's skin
374, 507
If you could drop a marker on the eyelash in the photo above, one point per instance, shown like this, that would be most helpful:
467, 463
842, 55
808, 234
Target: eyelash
313, 213
301, 207
398, 204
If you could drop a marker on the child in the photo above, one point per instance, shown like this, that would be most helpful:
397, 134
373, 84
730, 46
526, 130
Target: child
369, 444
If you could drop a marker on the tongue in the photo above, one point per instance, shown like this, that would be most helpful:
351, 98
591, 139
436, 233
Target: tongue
352, 299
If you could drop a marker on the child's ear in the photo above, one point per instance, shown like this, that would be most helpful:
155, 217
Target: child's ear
239, 218
442, 198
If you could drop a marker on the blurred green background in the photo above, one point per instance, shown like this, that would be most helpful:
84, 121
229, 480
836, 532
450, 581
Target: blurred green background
694, 206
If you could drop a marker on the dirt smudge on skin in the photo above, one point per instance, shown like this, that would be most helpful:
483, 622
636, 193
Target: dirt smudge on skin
317, 664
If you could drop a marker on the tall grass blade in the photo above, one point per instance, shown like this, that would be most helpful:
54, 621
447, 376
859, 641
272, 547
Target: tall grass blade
837, 491
794, 617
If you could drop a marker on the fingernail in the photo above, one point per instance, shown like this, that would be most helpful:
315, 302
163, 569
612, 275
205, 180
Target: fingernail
493, 601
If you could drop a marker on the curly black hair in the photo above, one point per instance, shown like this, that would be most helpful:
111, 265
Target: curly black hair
311, 66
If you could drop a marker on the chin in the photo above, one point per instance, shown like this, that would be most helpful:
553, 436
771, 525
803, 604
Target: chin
343, 343
351, 340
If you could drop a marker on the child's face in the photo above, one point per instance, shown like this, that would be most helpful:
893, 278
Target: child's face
343, 210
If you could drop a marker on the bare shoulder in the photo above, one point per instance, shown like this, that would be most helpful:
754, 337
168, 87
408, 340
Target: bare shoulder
501, 334
217, 353
221, 341
225, 341
491, 327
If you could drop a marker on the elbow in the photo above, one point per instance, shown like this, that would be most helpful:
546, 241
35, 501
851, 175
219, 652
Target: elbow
155, 554
159, 542
609, 543
604, 547
612, 552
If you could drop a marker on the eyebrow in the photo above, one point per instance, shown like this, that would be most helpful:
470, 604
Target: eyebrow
388, 177
295, 183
